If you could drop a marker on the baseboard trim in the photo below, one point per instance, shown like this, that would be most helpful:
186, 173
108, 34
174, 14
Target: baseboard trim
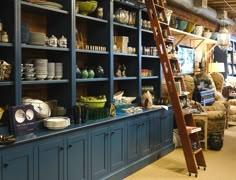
139, 164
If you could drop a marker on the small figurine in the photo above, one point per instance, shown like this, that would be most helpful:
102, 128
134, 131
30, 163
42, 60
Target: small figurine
118, 71
123, 69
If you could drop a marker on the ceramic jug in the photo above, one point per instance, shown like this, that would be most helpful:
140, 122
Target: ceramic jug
62, 42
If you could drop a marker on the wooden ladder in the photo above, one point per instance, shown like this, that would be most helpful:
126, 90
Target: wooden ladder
193, 156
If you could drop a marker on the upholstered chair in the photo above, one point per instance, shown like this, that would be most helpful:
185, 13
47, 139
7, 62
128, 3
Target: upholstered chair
217, 112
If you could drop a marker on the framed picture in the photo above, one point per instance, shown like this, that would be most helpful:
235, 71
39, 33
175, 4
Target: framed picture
22, 119
186, 58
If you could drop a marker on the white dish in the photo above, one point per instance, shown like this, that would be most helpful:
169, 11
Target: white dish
56, 123
41, 108
118, 95
50, 4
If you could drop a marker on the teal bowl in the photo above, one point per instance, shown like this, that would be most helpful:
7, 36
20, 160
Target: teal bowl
182, 25
214, 35
87, 7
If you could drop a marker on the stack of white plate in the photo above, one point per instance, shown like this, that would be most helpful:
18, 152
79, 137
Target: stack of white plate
51, 70
41, 66
58, 70
37, 38
29, 71
55, 123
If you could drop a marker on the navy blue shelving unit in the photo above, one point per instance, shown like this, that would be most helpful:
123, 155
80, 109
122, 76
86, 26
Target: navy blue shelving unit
95, 32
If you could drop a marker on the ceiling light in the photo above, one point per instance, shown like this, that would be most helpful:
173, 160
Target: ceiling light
223, 37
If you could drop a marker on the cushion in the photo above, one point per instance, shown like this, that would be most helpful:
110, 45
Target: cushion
232, 102
218, 79
216, 115
232, 117
232, 110
189, 84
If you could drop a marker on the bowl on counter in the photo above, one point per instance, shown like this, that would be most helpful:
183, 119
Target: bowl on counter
87, 7
94, 102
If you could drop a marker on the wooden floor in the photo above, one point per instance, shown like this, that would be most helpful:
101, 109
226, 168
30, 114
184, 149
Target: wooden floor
221, 165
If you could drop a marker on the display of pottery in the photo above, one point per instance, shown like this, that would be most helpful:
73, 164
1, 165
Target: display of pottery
99, 72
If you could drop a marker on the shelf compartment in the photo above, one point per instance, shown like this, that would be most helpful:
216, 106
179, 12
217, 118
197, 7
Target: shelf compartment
147, 31
92, 18
6, 83
125, 54
40, 9
92, 80
27, 46
91, 51
26, 82
6, 44
124, 78
150, 77
150, 56
176, 32
125, 26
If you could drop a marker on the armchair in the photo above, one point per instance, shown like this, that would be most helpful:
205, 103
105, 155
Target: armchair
218, 111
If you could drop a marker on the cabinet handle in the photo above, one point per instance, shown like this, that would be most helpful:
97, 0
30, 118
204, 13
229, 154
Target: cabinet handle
106, 134
70, 146
61, 148
5, 165
112, 132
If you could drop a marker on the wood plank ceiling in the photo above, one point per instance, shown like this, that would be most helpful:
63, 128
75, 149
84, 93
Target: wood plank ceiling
220, 5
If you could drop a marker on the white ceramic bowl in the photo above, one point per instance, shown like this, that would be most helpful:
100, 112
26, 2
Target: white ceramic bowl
55, 123
41, 76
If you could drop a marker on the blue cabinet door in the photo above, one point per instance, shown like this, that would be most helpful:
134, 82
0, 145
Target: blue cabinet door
155, 130
166, 127
117, 146
99, 152
50, 159
18, 164
145, 136
77, 154
133, 140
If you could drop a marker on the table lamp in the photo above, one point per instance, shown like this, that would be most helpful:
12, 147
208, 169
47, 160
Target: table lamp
216, 67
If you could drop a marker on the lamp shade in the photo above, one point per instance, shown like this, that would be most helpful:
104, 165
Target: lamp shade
216, 67
223, 37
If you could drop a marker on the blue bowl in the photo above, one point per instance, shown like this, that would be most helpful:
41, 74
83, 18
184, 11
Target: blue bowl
182, 25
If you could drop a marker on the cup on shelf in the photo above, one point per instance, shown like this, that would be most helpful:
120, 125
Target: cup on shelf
58, 70
51, 70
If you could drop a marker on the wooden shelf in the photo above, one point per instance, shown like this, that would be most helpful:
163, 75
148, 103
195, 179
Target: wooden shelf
201, 39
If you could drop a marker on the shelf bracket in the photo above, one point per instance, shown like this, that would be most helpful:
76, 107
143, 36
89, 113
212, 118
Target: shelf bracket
181, 39
201, 41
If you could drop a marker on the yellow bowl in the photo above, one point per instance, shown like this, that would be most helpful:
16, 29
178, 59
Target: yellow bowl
95, 104
87, 7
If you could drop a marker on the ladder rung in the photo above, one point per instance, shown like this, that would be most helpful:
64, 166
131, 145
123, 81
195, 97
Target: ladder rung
197, 151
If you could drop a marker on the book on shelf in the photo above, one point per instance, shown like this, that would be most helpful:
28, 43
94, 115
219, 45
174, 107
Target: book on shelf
193, 129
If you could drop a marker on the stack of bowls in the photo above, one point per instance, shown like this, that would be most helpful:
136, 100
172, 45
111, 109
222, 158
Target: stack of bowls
58, 70
51, 70
37, 38
41, 66
29, 71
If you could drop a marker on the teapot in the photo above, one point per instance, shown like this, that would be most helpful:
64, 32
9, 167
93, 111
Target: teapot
62, 42
52, 41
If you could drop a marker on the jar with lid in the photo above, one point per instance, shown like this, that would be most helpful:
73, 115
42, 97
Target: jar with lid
4, 36
0, 25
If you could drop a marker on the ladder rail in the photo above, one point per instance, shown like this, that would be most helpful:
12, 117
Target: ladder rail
157, 30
